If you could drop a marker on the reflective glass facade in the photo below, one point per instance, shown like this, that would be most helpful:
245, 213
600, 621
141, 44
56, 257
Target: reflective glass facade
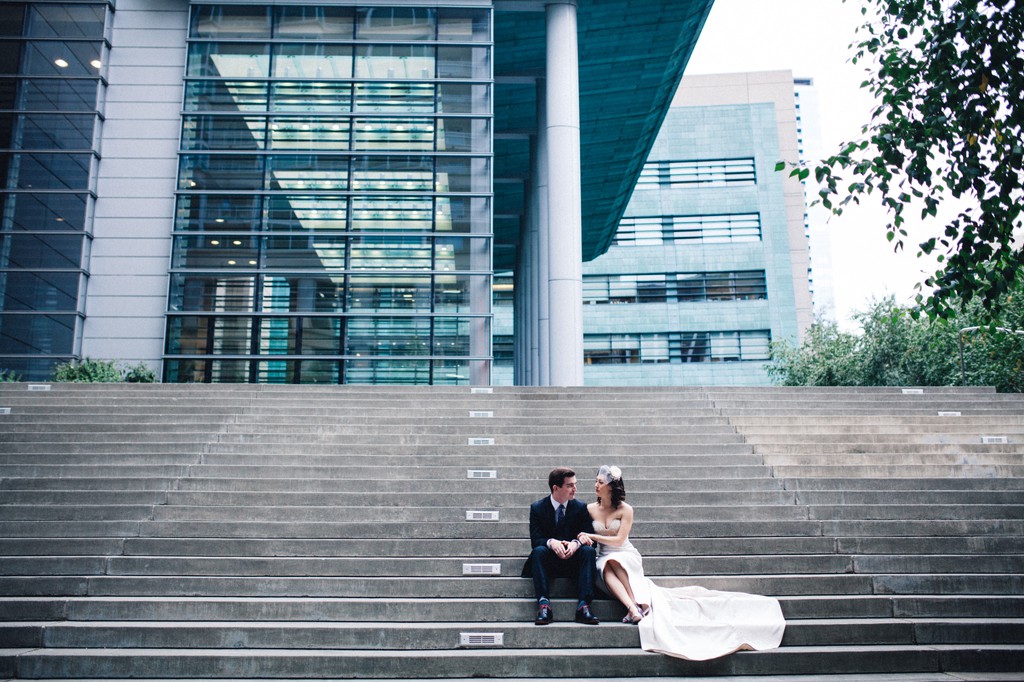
333, 207
51, 89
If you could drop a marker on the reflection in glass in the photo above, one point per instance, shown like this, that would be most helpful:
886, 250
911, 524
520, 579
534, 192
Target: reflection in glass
393, 173
407, 62
36, 334
309, 133
389, 292
313, 60
229, 60
44, 212
230, 21
410, 214
300, 213
300, 96
463, 25
48, 171
223, 132
394, 97
220, 172
396, 23
228, 96
211, 293
305, 172
25, 290
391, 253
217, 213
314, 22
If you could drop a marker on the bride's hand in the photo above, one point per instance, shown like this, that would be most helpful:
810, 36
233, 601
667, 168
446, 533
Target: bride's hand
584, 539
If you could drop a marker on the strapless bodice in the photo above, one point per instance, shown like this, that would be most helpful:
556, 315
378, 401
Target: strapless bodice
611, 529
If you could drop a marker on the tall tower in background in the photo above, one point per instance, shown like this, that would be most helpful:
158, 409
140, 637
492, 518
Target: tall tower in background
710, 263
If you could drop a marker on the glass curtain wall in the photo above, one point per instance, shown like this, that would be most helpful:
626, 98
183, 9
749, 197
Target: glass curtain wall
51, 88
333, 219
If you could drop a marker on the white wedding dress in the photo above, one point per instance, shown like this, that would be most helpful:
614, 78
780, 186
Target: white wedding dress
692, 622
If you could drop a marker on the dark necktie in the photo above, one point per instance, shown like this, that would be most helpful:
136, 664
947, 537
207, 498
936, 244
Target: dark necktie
560, 515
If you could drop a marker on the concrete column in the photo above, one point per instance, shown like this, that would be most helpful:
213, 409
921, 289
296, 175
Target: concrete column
564, 242
542, 234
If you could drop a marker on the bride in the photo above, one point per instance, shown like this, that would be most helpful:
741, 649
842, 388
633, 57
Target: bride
686, 622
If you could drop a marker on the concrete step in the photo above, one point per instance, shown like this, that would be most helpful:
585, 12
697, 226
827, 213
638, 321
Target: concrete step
369, 636
533, 663
481, 610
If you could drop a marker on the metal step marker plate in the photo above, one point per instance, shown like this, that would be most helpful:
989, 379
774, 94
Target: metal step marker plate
481, 473
481, 414
39, 387
479, 389
481, 514
949, 414
5, 410
994, 440
481, 569
481, 639
481, 441
913, 391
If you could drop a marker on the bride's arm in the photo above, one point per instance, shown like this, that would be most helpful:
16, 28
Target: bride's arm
620, 537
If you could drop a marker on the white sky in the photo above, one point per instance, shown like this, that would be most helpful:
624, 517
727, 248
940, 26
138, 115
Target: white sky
811, 38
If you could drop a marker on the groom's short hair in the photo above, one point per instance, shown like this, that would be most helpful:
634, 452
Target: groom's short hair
558, 475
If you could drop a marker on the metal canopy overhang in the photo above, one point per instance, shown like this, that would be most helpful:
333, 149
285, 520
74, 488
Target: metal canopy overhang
632, 54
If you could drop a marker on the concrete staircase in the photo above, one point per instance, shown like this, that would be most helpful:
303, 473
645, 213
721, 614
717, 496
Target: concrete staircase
260, 532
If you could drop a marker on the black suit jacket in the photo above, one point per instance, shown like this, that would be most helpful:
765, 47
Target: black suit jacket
542, 524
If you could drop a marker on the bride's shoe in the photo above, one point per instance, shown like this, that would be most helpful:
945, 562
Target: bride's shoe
630, 619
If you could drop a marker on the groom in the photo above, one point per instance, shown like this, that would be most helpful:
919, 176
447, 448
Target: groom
555, 521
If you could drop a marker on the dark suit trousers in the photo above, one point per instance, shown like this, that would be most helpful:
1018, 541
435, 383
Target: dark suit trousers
545, 563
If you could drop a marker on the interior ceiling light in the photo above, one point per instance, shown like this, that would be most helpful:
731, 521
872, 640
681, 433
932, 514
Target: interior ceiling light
96, 63
62, 63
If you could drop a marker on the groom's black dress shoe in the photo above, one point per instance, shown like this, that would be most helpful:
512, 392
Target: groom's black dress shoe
583, 615
544, 615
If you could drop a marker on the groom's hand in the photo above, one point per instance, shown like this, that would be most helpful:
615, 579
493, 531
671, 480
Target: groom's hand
559, 548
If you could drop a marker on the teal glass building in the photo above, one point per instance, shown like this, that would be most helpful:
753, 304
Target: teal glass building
317, 192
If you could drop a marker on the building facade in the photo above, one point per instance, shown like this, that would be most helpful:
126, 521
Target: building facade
710, 262
315, 192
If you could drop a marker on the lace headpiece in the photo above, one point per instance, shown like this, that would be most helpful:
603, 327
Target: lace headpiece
610, 474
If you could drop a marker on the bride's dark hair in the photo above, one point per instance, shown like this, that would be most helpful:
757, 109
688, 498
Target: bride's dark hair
615, 485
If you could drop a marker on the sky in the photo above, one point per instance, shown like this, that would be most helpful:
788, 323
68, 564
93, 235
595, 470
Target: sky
811, 38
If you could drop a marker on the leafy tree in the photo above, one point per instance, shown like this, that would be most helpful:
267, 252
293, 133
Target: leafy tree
946, 76
895, 348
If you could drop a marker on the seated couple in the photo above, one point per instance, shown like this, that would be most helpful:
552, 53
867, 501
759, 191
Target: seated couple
590, 542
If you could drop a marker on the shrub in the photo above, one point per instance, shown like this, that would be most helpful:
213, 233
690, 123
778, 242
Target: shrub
9, 375
88, 371
139, 374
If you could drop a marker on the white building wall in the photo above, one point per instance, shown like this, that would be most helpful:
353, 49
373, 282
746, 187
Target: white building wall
127, 289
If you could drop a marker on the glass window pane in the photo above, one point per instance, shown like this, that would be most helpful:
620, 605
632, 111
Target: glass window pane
12, 19
38, 212
301, 213
393, 133
217, 213
411, 62
389, 292
463, 98
50, 291
310, 97
241, 133
315, 22
307, 252
48, 171
66, 21
64, 95
369, 336
211, 293
394, 97
229, 60
389, 173
391, 253
462, 175
230, 21
220, 251
463, 214
400, 372
451, 336
318, 371
463, 135
462, 253
469, 25
305, 172
220, 172
312, 60
313, 291
36, 334
309, 133
71, 58
228, 96
396, 23
40, 251
392, 213
463, 62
